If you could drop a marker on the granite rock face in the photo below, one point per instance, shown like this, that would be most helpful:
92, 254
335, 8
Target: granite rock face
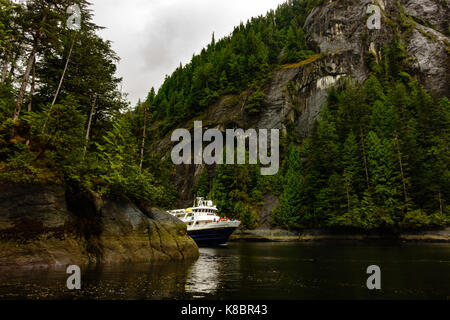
47, 226
341, 27
434, 13
338, 32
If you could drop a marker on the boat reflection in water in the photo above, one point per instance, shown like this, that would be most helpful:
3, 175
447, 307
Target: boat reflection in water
205, 275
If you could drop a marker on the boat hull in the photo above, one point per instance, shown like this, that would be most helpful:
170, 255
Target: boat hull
211, 236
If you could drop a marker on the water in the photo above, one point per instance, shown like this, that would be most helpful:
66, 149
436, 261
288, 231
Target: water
256, 271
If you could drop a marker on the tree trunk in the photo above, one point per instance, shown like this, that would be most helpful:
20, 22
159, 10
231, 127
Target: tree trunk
26, 77
33, 85
13, 66
23, 87
401, 169
365, 158
348, 197
4, 70
88, 129
30, 96
59, 84
64, 73
143, 139
5, 65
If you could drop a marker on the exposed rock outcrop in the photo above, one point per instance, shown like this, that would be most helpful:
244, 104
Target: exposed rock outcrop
340, 27
47, 226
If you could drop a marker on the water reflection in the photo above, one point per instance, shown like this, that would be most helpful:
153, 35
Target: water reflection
254, 271
206, 275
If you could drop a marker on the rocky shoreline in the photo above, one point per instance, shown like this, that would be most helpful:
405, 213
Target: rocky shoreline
47, 226
280, 235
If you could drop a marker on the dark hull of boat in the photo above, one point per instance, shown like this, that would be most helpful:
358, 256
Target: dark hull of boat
212, 236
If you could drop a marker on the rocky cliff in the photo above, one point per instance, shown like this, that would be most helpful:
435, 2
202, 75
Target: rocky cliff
338, 32
47, 226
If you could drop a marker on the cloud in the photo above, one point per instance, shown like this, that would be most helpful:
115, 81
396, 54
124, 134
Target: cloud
152, 37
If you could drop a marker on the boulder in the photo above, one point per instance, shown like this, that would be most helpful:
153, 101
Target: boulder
49, 226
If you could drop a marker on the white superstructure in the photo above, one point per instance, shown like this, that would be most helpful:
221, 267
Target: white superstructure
203, 215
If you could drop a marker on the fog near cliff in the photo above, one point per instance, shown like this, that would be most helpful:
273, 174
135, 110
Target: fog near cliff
152, 37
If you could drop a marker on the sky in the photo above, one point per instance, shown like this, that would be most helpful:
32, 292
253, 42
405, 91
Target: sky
152, 37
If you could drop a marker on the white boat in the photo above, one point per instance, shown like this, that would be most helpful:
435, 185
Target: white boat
204, 224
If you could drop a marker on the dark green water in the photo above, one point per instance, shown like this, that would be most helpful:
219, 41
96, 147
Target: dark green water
256, 271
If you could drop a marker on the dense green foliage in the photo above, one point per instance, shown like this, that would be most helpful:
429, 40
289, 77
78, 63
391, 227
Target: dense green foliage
378, 158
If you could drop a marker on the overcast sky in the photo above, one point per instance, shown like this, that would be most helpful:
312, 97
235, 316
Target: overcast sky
153, 36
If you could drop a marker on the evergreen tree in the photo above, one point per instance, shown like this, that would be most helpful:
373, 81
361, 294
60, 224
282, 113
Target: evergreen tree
384, 191
352, 171
291, 212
